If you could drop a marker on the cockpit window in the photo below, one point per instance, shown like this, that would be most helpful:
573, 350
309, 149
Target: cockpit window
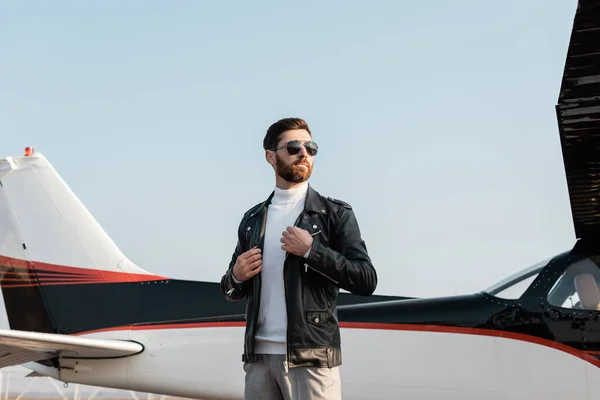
578, 288
513, 287
517, 289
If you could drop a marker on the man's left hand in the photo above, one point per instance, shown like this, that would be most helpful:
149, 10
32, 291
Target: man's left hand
296, 241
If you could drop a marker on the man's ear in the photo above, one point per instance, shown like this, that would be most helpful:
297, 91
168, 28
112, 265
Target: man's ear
270, 157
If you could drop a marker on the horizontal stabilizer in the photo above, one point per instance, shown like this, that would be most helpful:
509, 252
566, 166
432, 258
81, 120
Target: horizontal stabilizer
18, 347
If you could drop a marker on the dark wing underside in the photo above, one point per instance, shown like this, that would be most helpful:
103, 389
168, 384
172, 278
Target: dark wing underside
578, 113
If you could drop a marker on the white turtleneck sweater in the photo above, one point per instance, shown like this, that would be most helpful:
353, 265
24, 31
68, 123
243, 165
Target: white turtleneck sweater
285, 207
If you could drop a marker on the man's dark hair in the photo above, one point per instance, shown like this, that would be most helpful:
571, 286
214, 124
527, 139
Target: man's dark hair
276, 130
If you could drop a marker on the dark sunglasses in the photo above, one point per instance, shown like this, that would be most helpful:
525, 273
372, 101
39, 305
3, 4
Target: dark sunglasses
294, 147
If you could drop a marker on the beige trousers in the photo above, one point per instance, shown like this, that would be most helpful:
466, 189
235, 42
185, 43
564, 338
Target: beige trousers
267, 379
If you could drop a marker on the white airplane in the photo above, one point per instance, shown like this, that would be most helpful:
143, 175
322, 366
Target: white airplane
81, 312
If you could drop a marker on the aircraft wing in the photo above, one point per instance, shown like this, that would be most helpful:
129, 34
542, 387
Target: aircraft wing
18, 347
578, 114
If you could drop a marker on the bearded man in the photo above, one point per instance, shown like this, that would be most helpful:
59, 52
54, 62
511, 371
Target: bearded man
294, 252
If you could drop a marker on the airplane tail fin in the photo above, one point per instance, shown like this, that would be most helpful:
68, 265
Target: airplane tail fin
48, 239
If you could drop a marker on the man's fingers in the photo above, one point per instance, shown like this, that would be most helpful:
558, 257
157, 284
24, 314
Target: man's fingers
254, 264
250, 253
253, 258
253, 251
256, 271
248, 264
253, 269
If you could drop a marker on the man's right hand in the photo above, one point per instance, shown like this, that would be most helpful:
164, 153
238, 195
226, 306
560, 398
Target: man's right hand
247, 265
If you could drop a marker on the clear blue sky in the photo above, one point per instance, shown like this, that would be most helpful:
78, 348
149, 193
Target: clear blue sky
435, 121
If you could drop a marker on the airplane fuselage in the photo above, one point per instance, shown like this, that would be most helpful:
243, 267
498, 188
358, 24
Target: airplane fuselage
383, 362
477, 346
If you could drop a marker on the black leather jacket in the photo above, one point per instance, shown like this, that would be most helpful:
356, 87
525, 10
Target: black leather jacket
338, 259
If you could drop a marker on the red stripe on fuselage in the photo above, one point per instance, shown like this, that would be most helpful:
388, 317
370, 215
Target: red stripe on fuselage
586, 356
476, 331
42, 273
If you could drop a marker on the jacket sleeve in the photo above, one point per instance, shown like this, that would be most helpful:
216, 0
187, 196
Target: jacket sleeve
232, 290
345, 261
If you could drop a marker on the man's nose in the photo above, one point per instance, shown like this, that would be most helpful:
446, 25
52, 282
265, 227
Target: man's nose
303, 152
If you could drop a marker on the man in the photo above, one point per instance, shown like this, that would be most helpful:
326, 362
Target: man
294, 252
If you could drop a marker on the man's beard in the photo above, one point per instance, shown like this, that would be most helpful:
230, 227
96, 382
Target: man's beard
294, 172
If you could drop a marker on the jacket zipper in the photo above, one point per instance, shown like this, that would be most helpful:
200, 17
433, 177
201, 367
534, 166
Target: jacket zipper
306, 267
287, 329
312, 234
257, 281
